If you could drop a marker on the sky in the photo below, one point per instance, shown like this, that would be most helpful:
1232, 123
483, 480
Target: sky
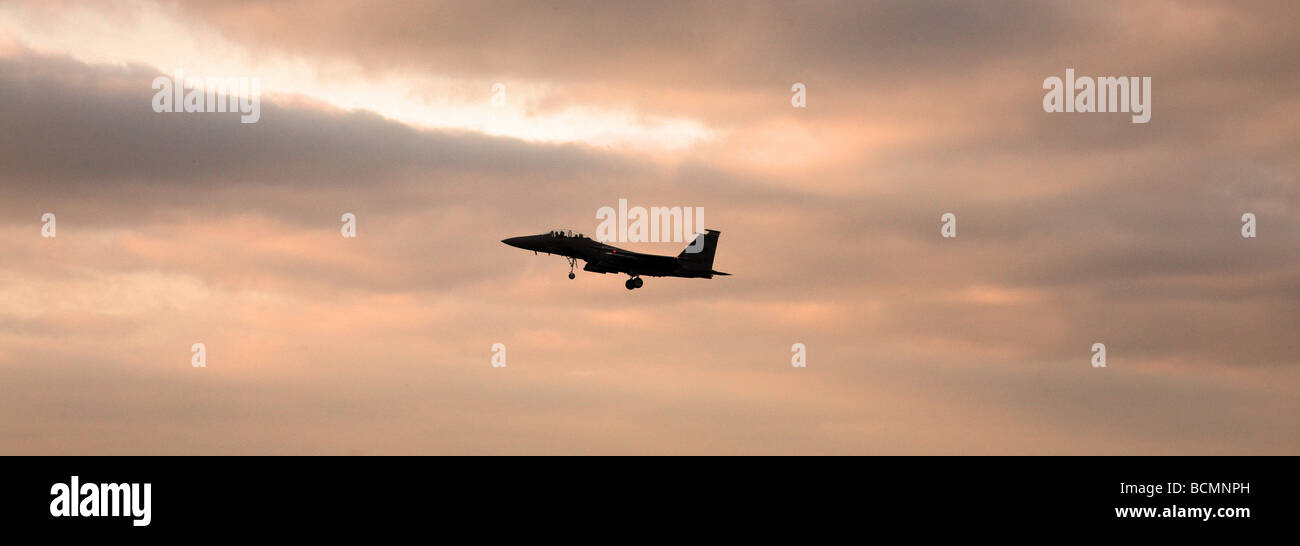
1073, 229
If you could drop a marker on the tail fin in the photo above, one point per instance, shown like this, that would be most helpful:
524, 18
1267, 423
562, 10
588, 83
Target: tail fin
699, 254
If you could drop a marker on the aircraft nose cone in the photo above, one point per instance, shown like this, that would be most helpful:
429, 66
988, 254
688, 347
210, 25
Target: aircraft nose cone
513, 241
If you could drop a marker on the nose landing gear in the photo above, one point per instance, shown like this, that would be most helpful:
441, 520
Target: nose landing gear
573, 262
634, 283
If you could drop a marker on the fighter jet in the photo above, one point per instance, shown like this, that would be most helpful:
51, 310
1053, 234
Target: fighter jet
695, 262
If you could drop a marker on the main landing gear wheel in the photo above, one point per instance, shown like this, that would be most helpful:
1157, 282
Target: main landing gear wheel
634, 283
573, 262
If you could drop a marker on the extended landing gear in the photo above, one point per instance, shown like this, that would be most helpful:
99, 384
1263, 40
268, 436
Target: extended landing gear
573, 262
634, 283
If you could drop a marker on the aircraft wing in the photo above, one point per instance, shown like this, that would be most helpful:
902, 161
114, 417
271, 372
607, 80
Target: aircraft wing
613, 260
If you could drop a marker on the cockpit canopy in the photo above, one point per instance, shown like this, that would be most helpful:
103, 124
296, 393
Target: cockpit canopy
564, 233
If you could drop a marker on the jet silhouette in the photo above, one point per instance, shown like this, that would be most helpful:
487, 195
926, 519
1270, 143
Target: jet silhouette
695, 262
